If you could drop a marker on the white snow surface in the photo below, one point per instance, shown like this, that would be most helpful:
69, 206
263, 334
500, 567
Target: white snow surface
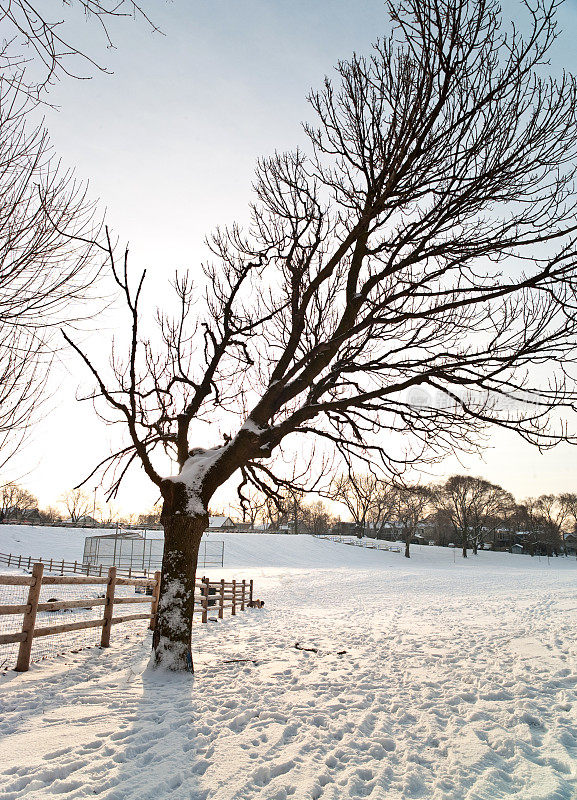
37, 541
433, 679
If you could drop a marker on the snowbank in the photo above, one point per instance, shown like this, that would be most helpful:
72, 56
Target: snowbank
29, 540
276, 552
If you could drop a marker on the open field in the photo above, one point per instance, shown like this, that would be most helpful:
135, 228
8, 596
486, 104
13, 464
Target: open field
432, 679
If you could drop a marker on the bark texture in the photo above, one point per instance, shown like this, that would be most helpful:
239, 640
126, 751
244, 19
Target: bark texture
172, 635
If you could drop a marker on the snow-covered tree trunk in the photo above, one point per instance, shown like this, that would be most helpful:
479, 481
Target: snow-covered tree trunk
182, 534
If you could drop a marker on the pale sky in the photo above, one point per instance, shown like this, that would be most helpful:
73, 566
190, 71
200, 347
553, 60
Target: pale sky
169, 143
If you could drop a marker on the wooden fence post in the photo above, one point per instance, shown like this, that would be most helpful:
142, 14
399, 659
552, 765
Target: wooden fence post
205, 585
250, 589
242, 595
155, 596
221, 603
108, 608
233, 598
23, 662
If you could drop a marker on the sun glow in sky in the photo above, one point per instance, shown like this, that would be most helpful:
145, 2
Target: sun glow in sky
169, 143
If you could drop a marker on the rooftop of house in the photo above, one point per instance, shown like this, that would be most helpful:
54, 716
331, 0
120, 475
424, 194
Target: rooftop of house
220, 522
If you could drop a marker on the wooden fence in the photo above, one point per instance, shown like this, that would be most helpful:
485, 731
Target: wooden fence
221, 595
213, 596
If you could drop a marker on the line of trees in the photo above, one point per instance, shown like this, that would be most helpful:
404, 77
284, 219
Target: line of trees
465, 510
76, 506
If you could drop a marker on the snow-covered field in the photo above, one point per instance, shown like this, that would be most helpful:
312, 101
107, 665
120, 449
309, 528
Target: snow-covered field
433, 680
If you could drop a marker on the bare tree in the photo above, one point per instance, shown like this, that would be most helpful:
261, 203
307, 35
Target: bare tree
491, 506
45, 269
252, 507
36, 49
50, 515
316, 518
428, 242
412, 505
569, 503
475, 507
46, 222
384, 508
14, 500
547, 516
151, 517
78, 504
359, 493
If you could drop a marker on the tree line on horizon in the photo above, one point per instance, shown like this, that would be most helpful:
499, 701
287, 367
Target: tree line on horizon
464, 510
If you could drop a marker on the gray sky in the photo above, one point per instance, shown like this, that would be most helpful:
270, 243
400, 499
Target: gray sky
169, 142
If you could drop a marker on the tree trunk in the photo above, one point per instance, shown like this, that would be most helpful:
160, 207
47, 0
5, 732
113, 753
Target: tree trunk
464, 548
407, 545
474, 547
172, 634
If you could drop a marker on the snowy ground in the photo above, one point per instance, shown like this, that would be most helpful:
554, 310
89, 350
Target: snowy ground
458, 683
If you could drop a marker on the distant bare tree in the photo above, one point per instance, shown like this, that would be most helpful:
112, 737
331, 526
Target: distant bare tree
252, 507
151, 517
384, 508
492, 506
412, 505
427, 243
78, 504
50, 515
547, 515
475, 507
569, 503
14, 500
316, 518
359, 493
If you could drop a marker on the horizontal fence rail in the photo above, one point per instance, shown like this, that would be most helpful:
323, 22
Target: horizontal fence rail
210, 596
64, 567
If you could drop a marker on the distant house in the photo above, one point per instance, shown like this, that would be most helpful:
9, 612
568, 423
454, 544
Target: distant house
570, 543
221, 524
82, 522
502, 538
242, 527
517, 548
258, 527
346, 529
